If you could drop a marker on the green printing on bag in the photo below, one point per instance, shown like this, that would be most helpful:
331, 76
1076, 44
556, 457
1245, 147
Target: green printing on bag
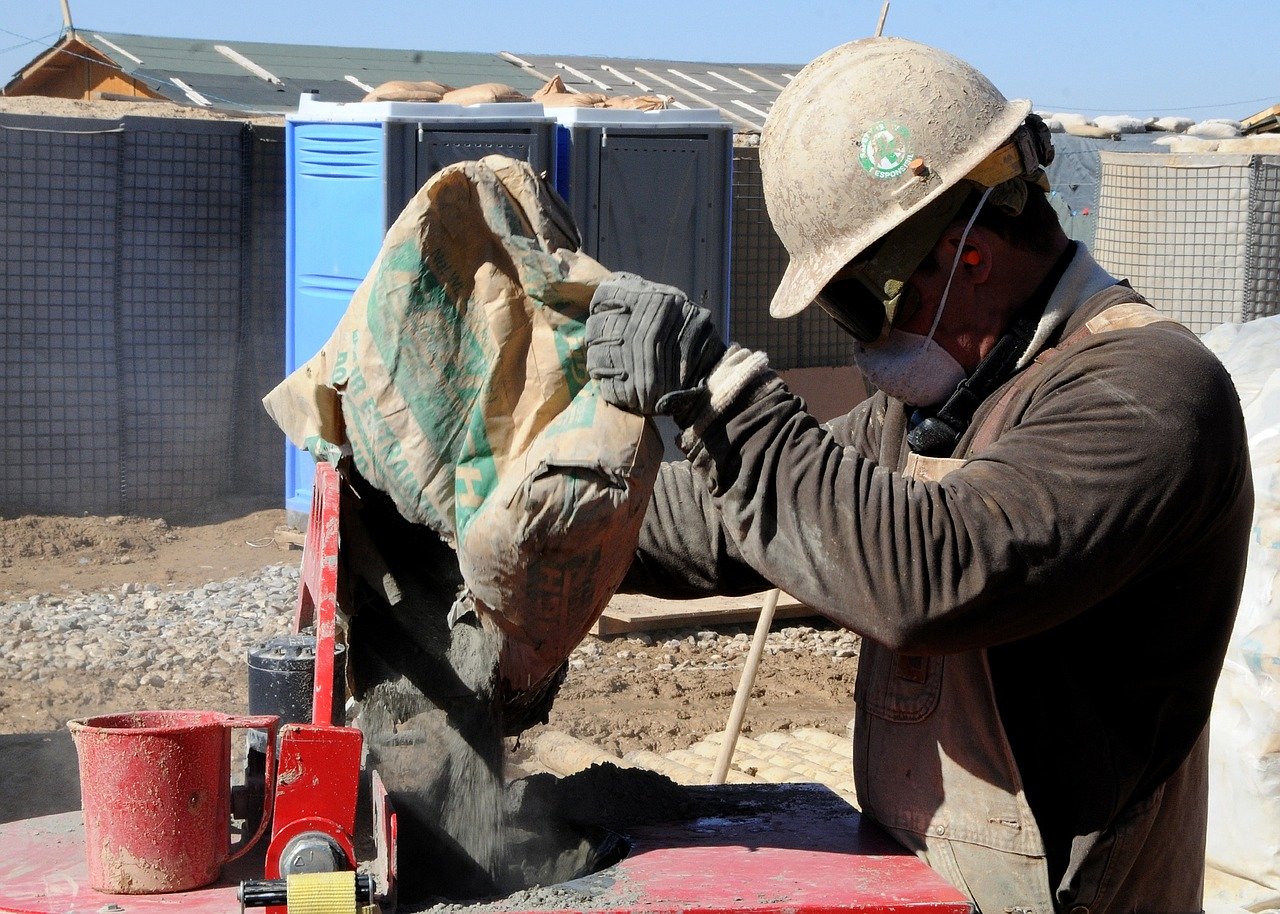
412, 319
379, 454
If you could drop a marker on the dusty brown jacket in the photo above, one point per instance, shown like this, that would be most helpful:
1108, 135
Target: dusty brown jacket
1095, 551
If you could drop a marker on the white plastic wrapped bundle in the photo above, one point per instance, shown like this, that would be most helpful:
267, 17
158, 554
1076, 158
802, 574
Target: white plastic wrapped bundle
1244, 753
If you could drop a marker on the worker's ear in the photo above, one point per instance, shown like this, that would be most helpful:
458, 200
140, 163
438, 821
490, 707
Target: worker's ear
975, 257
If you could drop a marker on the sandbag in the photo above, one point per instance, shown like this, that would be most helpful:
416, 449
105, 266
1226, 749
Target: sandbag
554, 94
1122, 123
1172, 124
1067, 118
1091, 131
1214, 130
457, 382
402, 90
637, 102
483, 94
572, 100
554, 86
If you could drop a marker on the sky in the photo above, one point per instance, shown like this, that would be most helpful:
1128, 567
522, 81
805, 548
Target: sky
1199, 59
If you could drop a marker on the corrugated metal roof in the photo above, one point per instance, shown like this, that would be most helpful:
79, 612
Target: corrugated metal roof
744, 92
233, 77
263, 77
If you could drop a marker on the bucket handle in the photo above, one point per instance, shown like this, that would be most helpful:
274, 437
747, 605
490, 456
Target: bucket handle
270, 723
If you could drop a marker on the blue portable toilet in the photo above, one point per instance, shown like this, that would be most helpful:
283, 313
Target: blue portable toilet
350, 169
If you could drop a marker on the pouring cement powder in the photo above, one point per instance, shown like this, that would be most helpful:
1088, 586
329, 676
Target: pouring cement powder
434, 726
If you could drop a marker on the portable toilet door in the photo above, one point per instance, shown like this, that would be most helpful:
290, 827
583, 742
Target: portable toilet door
651, 192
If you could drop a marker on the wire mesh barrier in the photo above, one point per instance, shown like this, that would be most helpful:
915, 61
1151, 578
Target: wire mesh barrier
142, 274
758, 262
59, 402
259, 459
1197, 234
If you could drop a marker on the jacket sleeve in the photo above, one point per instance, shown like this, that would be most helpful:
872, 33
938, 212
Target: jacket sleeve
1124, 449
684, 550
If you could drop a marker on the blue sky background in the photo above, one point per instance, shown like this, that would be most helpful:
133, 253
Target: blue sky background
1200, 59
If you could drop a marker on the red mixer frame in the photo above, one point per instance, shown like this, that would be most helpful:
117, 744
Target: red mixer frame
318, 766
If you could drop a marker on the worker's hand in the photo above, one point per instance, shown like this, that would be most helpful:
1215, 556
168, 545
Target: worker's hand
647, 344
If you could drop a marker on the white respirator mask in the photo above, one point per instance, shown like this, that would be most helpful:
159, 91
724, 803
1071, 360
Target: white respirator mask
914, 368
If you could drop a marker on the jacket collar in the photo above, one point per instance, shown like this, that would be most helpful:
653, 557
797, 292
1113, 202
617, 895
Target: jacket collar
1082, 279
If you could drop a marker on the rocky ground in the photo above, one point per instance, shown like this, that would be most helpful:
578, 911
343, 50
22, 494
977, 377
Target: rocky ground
109, 614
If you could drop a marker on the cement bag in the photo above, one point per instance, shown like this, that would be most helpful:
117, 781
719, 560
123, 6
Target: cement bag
1244, 747
457, 381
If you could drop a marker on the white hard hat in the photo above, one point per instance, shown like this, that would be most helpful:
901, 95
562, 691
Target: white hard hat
867, 135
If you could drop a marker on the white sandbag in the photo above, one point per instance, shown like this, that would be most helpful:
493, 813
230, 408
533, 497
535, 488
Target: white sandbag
1067, 118
1244, 747
1091, 131
1121, 123
1214, 130
1172, 124
1181, 143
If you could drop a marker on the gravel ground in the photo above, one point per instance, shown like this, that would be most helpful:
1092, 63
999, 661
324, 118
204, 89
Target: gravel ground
143, 635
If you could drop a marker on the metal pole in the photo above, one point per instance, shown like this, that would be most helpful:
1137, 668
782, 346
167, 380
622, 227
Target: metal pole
884, 11
739, 710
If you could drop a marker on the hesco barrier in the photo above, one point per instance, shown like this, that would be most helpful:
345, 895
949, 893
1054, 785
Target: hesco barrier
142, 310
1198, 234
141, 313
810, 340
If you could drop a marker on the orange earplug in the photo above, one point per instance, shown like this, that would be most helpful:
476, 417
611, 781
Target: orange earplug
971, 257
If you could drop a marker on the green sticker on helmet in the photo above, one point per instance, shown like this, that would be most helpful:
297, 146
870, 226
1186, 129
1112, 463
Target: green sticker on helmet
885, 150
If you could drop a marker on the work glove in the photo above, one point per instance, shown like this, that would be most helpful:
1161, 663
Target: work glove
649, 347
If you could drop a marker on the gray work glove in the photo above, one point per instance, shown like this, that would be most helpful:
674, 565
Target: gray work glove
648, 346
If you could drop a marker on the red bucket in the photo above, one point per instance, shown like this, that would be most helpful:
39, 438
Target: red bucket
155, 786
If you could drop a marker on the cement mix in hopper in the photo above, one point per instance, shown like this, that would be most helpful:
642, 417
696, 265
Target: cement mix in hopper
492, 503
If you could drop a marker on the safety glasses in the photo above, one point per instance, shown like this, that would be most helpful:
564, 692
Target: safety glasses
870, 294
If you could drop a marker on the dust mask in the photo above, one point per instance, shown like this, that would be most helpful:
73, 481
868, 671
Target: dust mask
914, 368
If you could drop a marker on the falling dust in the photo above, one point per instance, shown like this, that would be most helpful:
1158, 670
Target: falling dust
425, 670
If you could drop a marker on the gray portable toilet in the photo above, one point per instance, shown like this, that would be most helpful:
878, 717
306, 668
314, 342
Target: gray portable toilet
651, 192
350, 169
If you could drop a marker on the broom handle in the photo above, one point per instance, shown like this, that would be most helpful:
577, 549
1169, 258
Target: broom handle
739, 710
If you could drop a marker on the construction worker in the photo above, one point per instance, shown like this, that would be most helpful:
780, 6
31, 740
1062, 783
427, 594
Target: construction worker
1037, 524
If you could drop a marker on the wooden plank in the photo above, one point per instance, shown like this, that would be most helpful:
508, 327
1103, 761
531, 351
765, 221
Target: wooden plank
635, 613
1260, 117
